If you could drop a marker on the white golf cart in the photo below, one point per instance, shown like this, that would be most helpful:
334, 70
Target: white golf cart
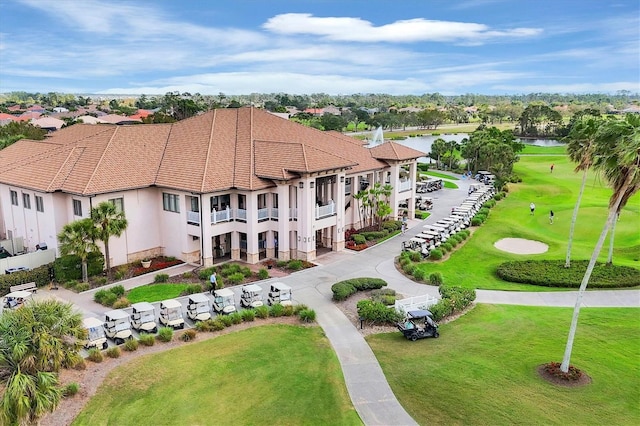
171, 314
199, 307
117, 326
280, 293
143, 317
251, 296
15, 299
416, 244
223, 301
95, 334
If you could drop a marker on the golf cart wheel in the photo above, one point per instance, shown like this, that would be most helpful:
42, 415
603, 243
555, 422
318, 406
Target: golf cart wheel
155, 330
414, 337
118, 341
181, 326
436, 334
105, 345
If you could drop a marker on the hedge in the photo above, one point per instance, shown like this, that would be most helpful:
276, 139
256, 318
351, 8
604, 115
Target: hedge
69, 267
343, 289
377, 313
552, 273
39, 275
454, 300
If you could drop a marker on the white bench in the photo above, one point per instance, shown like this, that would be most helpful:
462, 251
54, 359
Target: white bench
27, 286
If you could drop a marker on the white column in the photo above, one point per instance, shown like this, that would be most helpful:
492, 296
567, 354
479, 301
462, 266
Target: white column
283, 222
252, 225
306, 221
337, 242
414, 179
207, 231
395, 181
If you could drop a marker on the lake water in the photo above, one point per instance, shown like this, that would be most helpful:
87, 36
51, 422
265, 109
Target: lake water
423, 143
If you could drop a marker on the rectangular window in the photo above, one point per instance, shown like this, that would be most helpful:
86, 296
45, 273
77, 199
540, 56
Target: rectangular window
118, 203
171, 202
14, 198
194, 203
77, 208
262, 201
26, 201
39, 204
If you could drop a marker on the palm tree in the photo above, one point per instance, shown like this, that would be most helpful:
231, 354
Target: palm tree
581, 141
109, 223
37, 341
617, 155
359, 202
78, 238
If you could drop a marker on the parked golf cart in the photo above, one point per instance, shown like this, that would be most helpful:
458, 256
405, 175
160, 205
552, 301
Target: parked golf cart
199, 307
424, 203
224, 301
416, 244
171, 314
15, 299
117, 326
143, 317
418, 325
280, 293
251, 296
96, 338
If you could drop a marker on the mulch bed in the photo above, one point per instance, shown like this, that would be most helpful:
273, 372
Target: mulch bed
552, 374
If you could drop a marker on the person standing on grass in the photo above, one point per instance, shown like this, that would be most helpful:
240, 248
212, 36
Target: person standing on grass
532, 207
551, 216
552, 168
214, 280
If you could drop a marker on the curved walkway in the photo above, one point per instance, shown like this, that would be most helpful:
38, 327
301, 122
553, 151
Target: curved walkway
370, 393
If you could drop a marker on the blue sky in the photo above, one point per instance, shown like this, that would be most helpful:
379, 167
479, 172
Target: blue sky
320, 46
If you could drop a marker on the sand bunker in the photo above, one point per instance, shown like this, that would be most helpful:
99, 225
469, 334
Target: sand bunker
521, 246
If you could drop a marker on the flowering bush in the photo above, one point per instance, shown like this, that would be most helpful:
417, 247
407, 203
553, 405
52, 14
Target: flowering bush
156, 265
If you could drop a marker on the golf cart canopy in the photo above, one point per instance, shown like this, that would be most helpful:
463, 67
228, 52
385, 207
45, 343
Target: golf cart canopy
417, 240
142, 307
170, 304
199, 298
224, 293
278, 286
91, 322
421, 313
20, 294
252, 288
116, 314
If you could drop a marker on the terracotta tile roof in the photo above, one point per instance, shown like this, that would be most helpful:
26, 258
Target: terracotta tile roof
48, 123
5, 116
395, 151
227, 148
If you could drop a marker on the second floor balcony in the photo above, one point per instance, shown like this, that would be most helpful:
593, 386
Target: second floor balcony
405, 185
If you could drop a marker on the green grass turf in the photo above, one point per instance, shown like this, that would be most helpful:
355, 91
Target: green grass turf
450, 185
482, 368
284, 375
440, 175
474, 264
544, 150
155, 292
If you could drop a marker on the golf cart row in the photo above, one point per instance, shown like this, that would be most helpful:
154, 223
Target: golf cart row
15, 299
485, 177
119, 324
429, 185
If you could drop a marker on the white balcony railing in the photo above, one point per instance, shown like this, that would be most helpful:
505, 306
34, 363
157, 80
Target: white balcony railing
347, 189
404, 185
293, 213
263, 214
324, 211
274, 213
220, 216
193, 217
241, 214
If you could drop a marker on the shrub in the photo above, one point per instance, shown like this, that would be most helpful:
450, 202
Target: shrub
476, 221
307, 315
204, 326
372, 235
288, 310
484, 211
147, 339
490, 204
224, 319
436, 254
419, 273
298, 308
131, 345
122, 302
481, 217
262, 312
377, 313
392, 225
295, 264
235, 317
120, 273
165, 334
236, 278
70, 389
187, 275
404, 260
100, 281
80, 365
95, 355
244, 270
118, 290
458, 297
440, 310
161, 278
281, 263
552, 273
415, 256
444, 247
276, 310
248, 315
342, 290
217, 325
409, 268
192, 289
498, 196
435, 278
109, 299
359, 239
263, 274
80, 287
113, 352
71, 285
70, 267
188, 335
100, 295
378, 294
366, 283
205, 273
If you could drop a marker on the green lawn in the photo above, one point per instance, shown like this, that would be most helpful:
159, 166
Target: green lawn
450, 185
544, 150
279, 374
474, 264
155, 292
440, 175
482, 369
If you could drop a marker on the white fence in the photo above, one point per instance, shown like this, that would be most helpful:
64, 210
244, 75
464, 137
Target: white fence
413, 303
30, 260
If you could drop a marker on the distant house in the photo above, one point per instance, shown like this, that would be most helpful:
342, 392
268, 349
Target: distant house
332, 110
7, 118
49, 124
239, 184
316, 112
14, 108
29, 115
60, 109
36, 108
119, 119
89, 119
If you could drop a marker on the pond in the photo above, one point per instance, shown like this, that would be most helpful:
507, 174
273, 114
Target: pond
423, 143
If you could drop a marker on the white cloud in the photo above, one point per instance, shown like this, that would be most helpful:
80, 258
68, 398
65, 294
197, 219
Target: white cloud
404, 31
571, 87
